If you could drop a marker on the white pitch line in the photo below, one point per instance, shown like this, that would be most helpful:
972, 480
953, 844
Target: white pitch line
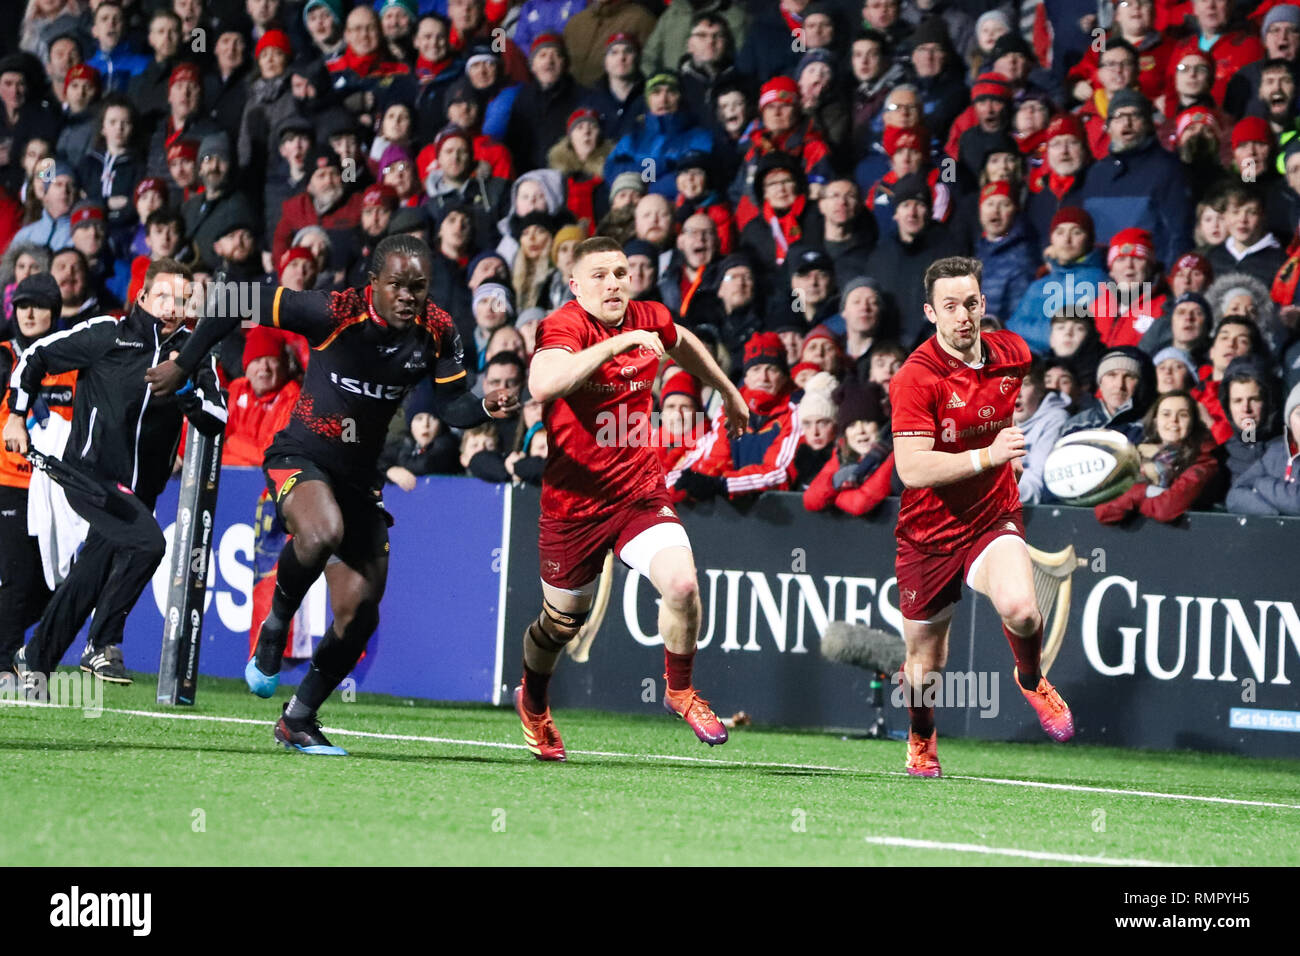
682, 758
1012, 851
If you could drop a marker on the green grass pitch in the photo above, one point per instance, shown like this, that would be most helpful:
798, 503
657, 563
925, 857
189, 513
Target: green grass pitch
128, 789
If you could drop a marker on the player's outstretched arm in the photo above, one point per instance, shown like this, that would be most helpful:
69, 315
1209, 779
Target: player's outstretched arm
920, 466
306, 313
556, 372
690, 354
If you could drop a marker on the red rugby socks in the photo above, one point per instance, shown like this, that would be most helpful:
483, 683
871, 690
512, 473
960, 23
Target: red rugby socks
678, 669
1028, 654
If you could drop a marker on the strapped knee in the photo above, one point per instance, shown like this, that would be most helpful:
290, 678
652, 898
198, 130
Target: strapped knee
554, 628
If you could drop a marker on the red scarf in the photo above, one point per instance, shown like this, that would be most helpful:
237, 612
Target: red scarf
362, 66
785, 227
1059, 185
427, 69
766, 404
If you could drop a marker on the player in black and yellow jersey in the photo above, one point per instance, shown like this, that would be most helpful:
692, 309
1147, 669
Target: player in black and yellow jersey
370, 346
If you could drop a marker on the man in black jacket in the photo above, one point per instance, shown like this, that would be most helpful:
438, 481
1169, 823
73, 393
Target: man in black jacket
125, 438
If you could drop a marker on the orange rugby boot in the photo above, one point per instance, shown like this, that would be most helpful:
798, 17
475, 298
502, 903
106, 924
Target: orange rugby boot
695, 710
1053, 714
923, 755
539, 730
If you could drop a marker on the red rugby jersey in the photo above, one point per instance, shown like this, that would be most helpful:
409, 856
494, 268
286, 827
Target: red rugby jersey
935, 395
600, 436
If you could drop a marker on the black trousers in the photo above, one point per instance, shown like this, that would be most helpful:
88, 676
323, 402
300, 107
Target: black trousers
121, 553
23, 593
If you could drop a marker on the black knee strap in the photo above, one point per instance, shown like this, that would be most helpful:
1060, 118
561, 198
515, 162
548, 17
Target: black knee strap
554, 628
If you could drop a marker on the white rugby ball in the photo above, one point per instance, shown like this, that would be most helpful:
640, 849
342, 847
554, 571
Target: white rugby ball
1092, 466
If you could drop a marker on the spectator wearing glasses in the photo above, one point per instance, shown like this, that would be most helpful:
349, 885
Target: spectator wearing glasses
1231, 49
782, 128
781, 196
708, 31
1117, 69
1134, 24
901, 109
1138, 182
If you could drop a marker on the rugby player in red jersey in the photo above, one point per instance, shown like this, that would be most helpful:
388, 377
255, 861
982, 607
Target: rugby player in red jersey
957, 453
603, 486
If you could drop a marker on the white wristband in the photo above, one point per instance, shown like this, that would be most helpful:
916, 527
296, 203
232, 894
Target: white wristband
975, 460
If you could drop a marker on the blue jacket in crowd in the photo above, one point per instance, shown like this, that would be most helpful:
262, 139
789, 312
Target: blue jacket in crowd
1265, 489
663, 139
1009, 264
1075, 283
118, 66
1143, 187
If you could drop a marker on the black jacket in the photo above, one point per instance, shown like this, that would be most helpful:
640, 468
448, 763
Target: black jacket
120, 432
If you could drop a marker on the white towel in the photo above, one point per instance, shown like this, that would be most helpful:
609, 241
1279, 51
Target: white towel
58, 529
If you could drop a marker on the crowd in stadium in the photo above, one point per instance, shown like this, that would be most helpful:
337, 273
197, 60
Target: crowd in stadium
780, 174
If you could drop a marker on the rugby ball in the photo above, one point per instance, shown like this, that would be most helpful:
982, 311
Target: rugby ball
1092, 466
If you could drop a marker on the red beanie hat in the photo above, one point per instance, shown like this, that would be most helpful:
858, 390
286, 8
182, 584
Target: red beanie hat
682, 383
1193, 260
1000, 188
1252, 129
765, 348
904, 137
1066, 124
1077, 217
780, 89
294, 252
274, 38
1197, 115
1131, 242
379, 194
183, 73
801, 366
82, 71
261, 342
993, 85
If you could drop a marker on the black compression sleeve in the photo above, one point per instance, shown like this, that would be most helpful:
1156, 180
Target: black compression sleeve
459, 407
210, 330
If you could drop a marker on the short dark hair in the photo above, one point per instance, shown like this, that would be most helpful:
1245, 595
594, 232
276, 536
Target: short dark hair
401, 244
1238, 194
71, 251
164, 267
1036, 374
1118, 43
165, 217
505, 358
165, 13
594, 245
951, 267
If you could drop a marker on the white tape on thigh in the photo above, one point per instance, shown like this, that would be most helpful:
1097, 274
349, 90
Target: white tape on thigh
640, 551
975, 565
939, 618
